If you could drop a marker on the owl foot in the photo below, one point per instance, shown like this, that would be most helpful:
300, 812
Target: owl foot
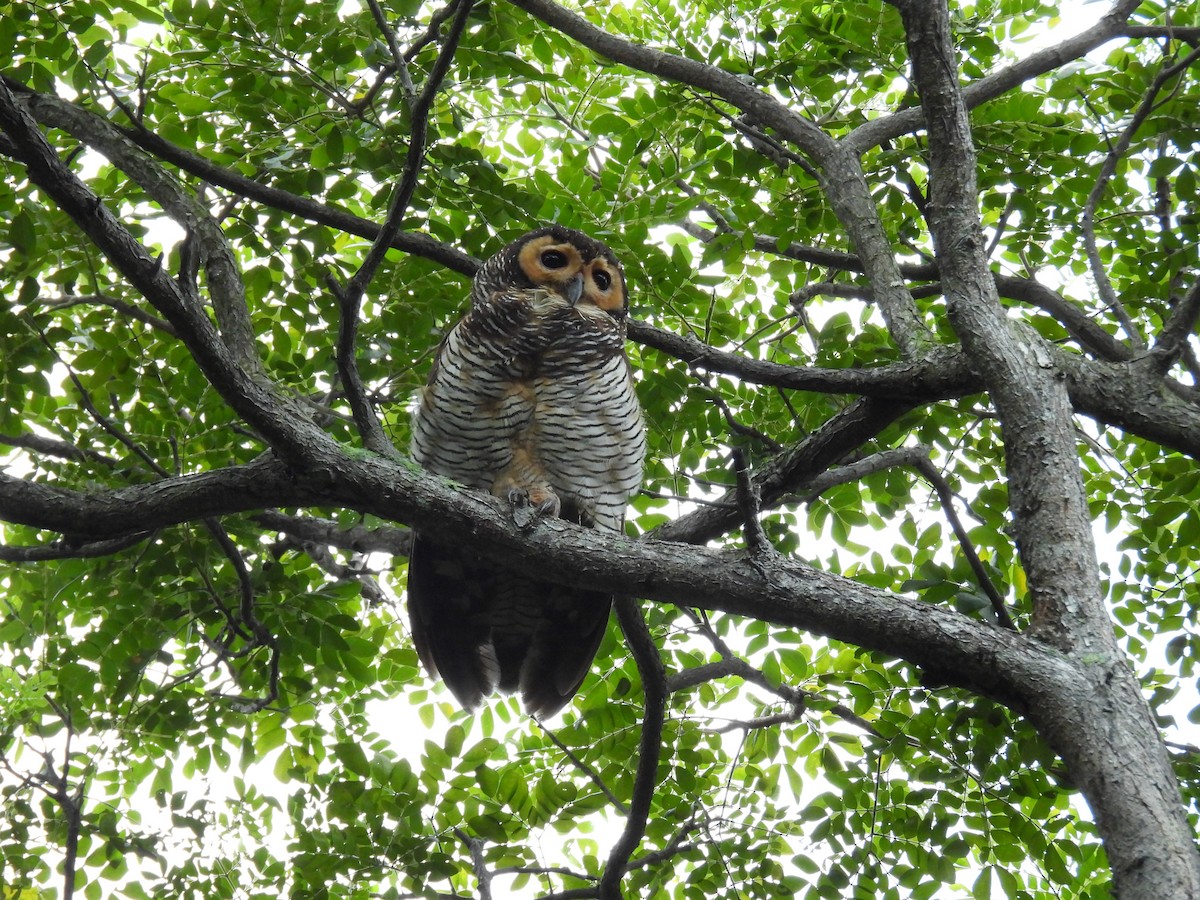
529, 506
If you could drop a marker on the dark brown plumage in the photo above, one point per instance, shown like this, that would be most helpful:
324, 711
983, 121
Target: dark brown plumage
530, 398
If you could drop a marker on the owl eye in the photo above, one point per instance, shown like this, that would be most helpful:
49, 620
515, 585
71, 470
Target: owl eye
603, 279
553, 259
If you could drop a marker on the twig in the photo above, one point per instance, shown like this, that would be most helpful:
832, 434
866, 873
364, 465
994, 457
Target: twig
70, 802
328, 563
918, 458
794, 714
85, 400
478, 863
1173, 339
945, 375
1109, 167
749, 502
732, 664
53, 447
677, 844
398, 59
801, 296
380, 538
926, 467
584, 768
544, 871
1074, 319
90, 550
791, 470
1002, 222
739, 428
120, 306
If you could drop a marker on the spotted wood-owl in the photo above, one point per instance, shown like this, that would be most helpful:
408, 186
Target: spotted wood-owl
531, 398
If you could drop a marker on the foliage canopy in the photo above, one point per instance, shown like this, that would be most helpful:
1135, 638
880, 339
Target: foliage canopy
211, 693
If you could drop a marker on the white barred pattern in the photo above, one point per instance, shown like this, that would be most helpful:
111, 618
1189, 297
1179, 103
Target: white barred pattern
577, 411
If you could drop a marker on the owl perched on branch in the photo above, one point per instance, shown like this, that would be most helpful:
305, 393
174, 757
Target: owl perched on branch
530, 398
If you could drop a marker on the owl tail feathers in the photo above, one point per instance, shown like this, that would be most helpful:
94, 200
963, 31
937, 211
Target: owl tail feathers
548, 665
483, 628
444, 611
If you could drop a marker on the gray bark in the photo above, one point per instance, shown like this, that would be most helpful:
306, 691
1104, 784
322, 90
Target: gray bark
1097, 721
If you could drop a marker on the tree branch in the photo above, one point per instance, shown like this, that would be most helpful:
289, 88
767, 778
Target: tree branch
925, 466
249, 393
1172, 340
1073, 318
1138, 812
790, 471
59, 550
587, 770
982, 657
120, 306
350, 299
842, 176
1113, 24
1107, 169
916, 379
222, 269
378, 538
654, 690
53, 447
398, 61
89, 128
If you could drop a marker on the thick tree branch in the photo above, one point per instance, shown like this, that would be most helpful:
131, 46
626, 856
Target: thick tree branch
91, 129
1118, 393
1137, 808
779, 590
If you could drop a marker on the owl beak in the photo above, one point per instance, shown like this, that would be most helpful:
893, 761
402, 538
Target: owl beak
574, 288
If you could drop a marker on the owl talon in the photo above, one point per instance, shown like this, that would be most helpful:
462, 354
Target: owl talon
528, 506
546, 504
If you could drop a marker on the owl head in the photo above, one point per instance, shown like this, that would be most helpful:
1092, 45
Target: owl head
561, 261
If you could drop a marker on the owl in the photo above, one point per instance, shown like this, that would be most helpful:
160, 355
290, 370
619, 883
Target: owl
531, 398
